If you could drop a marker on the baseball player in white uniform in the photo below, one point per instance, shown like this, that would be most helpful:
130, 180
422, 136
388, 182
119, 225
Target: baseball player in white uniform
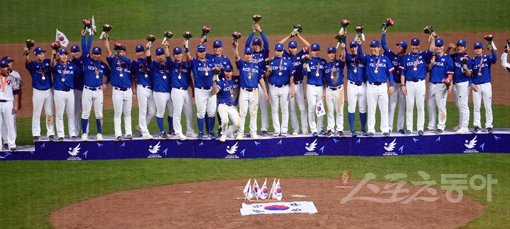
64, 73
17, 77
504, 58
334, 76
144, 95
77, 85
462, 79
9, 90
482, 87
226, 108
314, 71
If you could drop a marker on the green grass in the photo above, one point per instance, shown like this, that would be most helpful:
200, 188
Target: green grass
31, 190
131, 19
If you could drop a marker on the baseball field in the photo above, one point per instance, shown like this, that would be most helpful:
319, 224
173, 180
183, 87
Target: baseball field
31, 191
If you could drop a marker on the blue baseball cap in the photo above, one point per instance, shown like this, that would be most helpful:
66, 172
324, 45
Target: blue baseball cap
4, 64
139, 48
217, 44
38, 51
75, 48
331, 49
160, 51
256, 41
315, 47
7, 59
354, 44
402, 44
248, 51
61, 52
96, 50
292, 44
278, 47
415, 42
374, 43
201, 48
123, 47
177, 50
439, 43
478, 45
227, 68
462, 43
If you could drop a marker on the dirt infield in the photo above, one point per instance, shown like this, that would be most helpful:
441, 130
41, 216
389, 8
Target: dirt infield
500, 84
216, 204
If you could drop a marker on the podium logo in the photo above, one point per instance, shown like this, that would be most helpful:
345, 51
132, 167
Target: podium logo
73, 153
470, 145
231, 151
154, 150
389, 148
310, 148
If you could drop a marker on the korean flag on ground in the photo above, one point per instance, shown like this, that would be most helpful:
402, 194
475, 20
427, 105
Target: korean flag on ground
256, 190
61, 38
263, 191
248, 193
277, 191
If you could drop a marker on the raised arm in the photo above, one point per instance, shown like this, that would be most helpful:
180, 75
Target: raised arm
342, 52
148, 53
249, 39
306, 44
384, 44
109, 52
236, 51
285, 39
167, 48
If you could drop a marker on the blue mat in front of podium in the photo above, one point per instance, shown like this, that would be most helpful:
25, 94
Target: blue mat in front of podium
396, 145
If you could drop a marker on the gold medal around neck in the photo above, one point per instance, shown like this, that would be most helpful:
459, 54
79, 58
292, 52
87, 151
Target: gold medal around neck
206, 73
164, 77
146, 76
43, 78
121, 75
280, 73
415, 69
376, 71
179, 76
479, 73
317, 74
97, 76
63, 79
355, 70
332, 77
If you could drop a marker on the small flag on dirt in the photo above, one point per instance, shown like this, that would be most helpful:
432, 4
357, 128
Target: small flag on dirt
256, 190
263, 191
277, 191
248, 193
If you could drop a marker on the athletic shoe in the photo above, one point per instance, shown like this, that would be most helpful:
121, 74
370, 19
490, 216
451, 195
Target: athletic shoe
490, 130
192, 134
305, 133
147, 136
36, 138
171, 132
212, 136
462, 131
74, 138
129, 137
408, 132
85, 137
60, 139
420, 132
353, 133
254, 136
330, 133
456, 128
13, 149
431, 130
401, 131
322, 132
163, 135
5, 146
340, 133
283, 135
200, 136
386, 134
51, 138
476, 129
118, 138
276, 134
182, 137
366, 134
314, 134
264, 133
99, 137
295, 133
223, 138
240, 136
439, 131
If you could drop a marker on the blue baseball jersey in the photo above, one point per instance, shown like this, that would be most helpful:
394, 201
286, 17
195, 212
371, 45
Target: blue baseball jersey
160, 74
296, 62
283, 66
120, 71
443, 66
202, 72
219, 60
378, 69
334, 73
259, 57
78, 78
140, 71
482, 68
316, 74
414, 66
40, 73
63, 76
355, 66
181, 74
394, 57
459, 75
249, 74
94, 71
226, 92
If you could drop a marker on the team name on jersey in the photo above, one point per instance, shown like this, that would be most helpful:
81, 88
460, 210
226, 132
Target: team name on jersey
66, 72
410, 63
253, 70
439, 64
184, 70
123, 69
92, 68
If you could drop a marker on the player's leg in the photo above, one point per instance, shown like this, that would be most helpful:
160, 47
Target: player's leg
340, 110
188, 113
253, 100
142, 95
244, 103
48, 110
431, 105
372, 95
8, 115
275, 106
70, 114
330, 101
77, 109
170, 112
223, 112
487, 103
383, 107
178, 100
211, 112
160, 102
60, 99
234, 116
37, 106
352, 100
303, 113
312, 103
363, 106
410, 99
284, 101
98, 112
420, 106
463, 100
85, 115
264, 109
201, 102
293, 116
401, 100
393, 101
118, 103
128, 105
458, 105
441, 98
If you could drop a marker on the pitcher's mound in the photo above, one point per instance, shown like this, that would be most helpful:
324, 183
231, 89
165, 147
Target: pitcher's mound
216, 204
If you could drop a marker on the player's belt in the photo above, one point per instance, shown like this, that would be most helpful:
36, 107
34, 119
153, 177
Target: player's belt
204, 88
335, 88
249, 89
121, 88
356, 83
181, 88
148, 87
481, 83
375, 83
92, 88
317, 85
278, 86
435, 82
228, 104
66, 90
298, 82
415, 80
3, 100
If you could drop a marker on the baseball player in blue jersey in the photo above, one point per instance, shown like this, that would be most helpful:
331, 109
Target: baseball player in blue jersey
217, 57
260, 53
462, 80
397, 97
334, 75
181, 97
122, 94
146, 106
204, 98
356, 90
250, 76
413, 67
441, 70
504, 56
77, 85
17, 104
94, 70
8, 97
64, 73
40, 71
294, 55
160, 71
482, 87
280, 71
226, 108
314, 72
378, 70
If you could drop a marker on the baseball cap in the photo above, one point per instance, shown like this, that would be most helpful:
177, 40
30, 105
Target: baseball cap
278, 47
217, 44
96, 50
227, 68
139, 48
462, 42
331, 49
177, 50
4, 64
439, 43
292, 44
374, 43
201, 48
62, 52
7, 59
160, 51
256, 41
38, 51
415, 41
478, 45
75, 48
315, 47
354, 44
402, 44
123, 47
248, 51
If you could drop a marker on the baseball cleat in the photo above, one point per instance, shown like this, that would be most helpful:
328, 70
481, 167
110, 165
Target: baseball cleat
163, 135
401, 131
305, 133
476, 129
147, 136
36, 138
223, 138
490, 130
240, 136
295, 133
60, 139
182, 137
13, 149
330, 133
85, 137
99, 137
212, 136
5, 146
74, 138
353, 133
340, 133
420, 132
370, 134
254, 136
456, 128
200, 136
276, 134
51, 138
438, 131
283, 135
129, 137
314, 134
322, 132
462, 131
408, 132
386, 134
264, 133
118, 138
192, 135
366, 134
